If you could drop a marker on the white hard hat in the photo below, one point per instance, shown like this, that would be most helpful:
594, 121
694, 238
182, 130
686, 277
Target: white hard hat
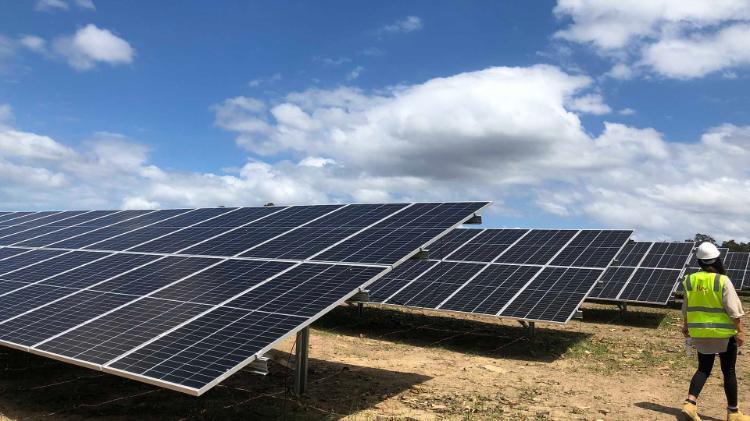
707, 251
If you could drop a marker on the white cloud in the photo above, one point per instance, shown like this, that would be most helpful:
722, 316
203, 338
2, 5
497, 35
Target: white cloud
479, 135
51, 5
506, 134
91, 45
674, 38
57, 5
265, 81
85, 4
33, 43
590, 104
405, 25
626, 111
6, 114
330, 61
689, 57
354, 74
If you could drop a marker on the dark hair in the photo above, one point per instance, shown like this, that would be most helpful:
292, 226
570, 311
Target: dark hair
716, 267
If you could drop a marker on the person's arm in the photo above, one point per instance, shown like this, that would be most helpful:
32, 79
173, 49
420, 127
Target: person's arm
685, 331
733, 307
740, 337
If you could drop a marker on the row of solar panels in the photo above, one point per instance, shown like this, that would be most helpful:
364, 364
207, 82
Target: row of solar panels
528, 274
543, 275
184, 298
287, 233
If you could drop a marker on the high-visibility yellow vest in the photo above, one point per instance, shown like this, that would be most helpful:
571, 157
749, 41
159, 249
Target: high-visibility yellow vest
706, 317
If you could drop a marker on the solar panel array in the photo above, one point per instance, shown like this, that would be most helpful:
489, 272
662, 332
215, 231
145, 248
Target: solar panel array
645, 273
525, 274
736, 264
184, 298
738, 269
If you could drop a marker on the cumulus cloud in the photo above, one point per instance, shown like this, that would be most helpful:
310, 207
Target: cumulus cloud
505, 134
698, 55
661, 35
590, 104
91, 45
405, 25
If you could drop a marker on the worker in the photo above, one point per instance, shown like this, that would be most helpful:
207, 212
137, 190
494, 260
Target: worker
711, 312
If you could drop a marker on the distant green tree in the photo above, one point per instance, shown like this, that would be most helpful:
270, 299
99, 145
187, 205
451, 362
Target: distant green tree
735, 246
269, 204
701, 238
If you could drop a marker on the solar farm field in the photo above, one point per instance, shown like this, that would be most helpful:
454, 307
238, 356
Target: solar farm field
397, 363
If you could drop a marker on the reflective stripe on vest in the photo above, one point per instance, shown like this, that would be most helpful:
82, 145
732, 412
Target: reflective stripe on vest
706, 317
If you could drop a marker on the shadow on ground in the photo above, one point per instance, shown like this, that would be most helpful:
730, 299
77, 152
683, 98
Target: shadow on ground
431, 329
668, 410
645, 317
36, 388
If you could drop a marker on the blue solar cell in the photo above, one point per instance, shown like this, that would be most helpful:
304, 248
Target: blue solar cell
651, 286
632, 254
42, 270
155, 275
613, 280
306, 290
115, 333
441, 248
488, 245
196, 354
537, 247
389, 284
104, 233
222, 281
491, 290
593, 248
313, 238
389, 241
235, 242
554, 295
55, 318
99, 271
435, 286
6, 220
6, 252
26, 259
27, 298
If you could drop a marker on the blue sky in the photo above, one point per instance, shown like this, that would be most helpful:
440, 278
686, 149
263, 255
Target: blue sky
564, 113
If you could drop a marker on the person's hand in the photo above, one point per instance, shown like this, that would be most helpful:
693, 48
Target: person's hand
685, 332
740, 338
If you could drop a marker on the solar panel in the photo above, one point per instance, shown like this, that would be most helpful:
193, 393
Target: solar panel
183, 298
534, 275
738, 269
736, 264
645, 273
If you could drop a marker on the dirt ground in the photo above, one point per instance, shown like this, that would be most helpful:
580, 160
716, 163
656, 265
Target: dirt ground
404, 364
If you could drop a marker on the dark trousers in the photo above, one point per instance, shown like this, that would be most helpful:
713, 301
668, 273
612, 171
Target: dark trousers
728, 359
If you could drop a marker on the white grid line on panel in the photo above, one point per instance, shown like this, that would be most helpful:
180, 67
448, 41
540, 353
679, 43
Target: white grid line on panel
536, 275
87, 232
487, 265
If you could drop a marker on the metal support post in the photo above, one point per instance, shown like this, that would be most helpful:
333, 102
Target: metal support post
532, 329
360, 309
623, 308
300, 361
